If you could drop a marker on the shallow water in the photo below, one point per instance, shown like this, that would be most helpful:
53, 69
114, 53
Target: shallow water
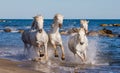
103, 52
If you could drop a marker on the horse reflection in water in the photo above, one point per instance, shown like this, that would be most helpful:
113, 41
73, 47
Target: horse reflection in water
54, 35
78, 43
36, 37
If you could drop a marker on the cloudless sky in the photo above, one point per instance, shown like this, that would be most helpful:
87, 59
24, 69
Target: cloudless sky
83, 9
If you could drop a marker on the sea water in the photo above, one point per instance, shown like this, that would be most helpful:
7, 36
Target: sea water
103, 52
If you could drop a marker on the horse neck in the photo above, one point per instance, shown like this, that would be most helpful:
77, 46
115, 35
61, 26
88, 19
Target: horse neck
85, 26
77, 38
55, 29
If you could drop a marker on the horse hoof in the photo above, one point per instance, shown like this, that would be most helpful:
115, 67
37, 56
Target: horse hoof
56, 56
63, 58
36, 59
41, 55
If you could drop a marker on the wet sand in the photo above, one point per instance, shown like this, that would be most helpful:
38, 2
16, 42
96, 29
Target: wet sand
7, 66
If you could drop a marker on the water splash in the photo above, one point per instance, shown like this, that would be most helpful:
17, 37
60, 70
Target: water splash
92, 49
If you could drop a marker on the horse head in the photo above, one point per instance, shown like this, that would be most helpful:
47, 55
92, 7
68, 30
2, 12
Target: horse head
58, 20
81, 36
38, 20
84, 24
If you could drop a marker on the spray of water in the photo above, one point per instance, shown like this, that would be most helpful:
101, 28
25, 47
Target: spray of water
71, 62
70, 58
92, 49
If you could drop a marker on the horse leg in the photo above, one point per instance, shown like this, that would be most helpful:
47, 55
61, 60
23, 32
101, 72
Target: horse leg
41, 52
28, 48
81, 56
84, 55
54, 46
46, 51
37, 52
25, 49
63, 53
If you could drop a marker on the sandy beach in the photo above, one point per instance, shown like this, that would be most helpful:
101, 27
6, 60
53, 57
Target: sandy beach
7, 66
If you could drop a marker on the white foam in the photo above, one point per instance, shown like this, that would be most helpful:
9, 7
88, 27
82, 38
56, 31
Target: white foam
92, 49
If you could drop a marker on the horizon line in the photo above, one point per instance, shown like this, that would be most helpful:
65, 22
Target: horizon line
65, 18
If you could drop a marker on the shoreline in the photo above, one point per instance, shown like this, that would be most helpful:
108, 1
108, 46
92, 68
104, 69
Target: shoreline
8, 66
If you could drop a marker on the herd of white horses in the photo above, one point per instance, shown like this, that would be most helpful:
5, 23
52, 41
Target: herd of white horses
37, 38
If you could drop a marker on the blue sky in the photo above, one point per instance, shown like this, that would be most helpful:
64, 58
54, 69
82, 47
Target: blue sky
83, 9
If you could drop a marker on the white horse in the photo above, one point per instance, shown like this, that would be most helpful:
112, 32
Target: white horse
84, 24
37, 38
78, 43
55, 37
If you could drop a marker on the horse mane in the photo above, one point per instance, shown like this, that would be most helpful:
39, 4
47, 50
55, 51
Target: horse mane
82, 28
84, 21
56, 16
37, 16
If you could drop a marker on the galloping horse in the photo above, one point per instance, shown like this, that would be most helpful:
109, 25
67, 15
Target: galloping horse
55, 37
37, 38
78, 43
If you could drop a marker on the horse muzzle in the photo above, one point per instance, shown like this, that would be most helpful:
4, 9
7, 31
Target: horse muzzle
38, 45
40, 30
60, 25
